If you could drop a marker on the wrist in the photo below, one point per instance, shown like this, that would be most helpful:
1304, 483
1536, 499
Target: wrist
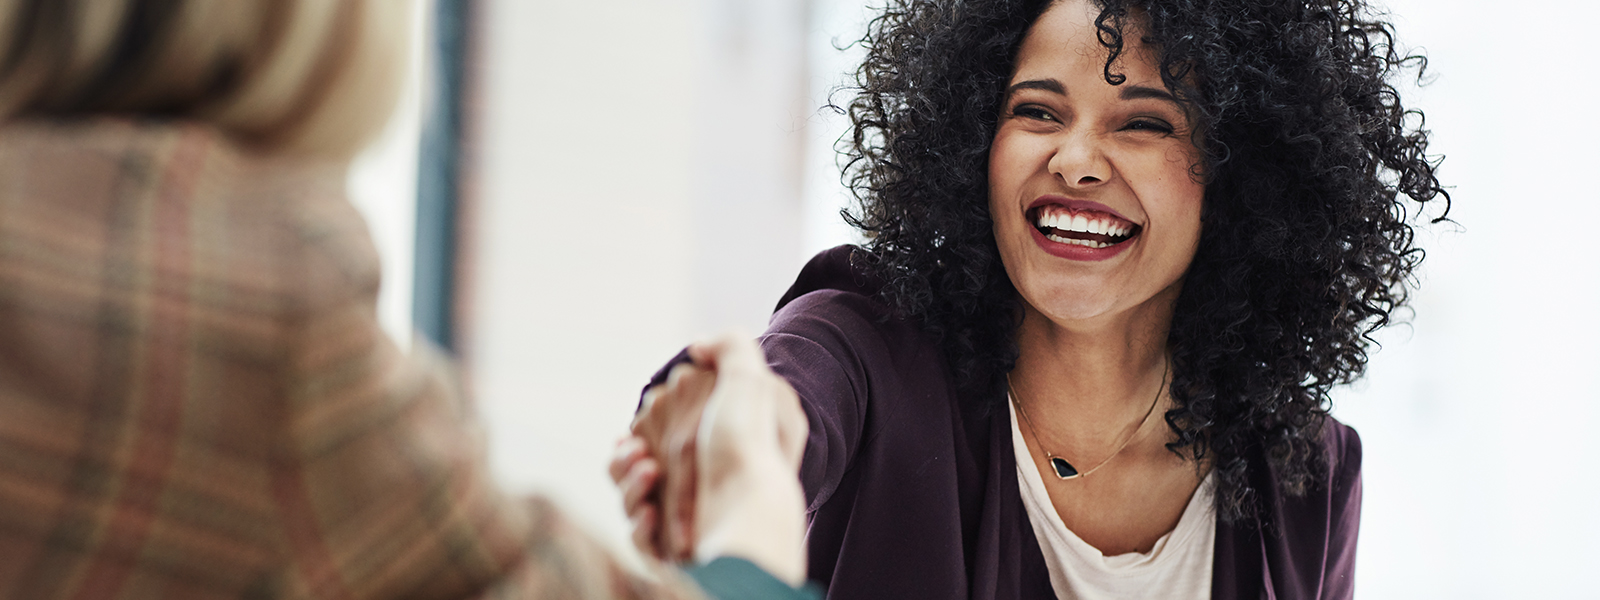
756, 513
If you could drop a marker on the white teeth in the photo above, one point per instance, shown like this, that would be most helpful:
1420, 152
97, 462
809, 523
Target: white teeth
1082, 224
1064, 221
1076, 242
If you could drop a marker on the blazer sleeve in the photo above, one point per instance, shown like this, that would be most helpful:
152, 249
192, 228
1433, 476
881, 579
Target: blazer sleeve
826, 344
822, 343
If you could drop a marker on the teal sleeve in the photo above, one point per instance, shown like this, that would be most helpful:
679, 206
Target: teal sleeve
728, 578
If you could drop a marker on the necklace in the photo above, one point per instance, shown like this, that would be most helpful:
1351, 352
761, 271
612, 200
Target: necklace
1065, 470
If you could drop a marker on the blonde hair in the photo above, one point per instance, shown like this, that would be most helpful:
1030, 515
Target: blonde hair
303, 76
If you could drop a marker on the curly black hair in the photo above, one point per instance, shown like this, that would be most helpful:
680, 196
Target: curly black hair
1306, 245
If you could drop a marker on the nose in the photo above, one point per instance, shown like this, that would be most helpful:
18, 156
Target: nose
1080, 161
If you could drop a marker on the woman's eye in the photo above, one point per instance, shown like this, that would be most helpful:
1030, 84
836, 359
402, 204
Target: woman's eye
1032, 112
1149, 125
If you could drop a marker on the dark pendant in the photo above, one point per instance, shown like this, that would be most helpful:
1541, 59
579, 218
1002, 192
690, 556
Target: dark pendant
1063, 468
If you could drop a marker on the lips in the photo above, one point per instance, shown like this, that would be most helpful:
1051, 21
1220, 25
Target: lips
1079, 223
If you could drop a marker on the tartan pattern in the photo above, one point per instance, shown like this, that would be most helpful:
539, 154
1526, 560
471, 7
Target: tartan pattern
197, 402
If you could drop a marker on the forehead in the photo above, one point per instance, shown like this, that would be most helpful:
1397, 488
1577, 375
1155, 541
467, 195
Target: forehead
1066, 40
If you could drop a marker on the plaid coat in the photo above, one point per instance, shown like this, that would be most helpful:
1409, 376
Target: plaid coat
196, 400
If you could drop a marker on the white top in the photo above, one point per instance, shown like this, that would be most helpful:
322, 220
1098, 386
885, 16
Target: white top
1177, 567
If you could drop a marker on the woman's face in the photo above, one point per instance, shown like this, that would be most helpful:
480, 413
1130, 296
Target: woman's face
1096, 208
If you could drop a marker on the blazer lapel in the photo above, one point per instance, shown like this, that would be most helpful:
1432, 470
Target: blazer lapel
1239, 569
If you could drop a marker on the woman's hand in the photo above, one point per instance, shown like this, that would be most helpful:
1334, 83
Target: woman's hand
712, 467
655, 467
752, 436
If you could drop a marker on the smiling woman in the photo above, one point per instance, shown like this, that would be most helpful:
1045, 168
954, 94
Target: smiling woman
1074, 156
1082, 214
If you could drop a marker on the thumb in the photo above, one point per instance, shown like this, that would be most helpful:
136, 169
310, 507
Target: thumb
733, 350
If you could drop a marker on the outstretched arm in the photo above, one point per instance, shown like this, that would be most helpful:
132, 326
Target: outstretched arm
378, 479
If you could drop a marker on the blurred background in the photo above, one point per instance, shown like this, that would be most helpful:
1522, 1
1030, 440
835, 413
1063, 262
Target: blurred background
573, 190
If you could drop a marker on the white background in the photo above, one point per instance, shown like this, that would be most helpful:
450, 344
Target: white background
652, 170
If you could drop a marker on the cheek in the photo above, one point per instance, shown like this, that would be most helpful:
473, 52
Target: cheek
1010, 165
1000, 180
1182, 213
1172, 191
1191, 196
1013, 155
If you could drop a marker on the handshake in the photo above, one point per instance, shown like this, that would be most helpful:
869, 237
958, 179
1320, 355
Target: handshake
711, 467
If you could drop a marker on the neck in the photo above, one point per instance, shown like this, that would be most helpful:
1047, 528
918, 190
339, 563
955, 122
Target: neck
1104, 373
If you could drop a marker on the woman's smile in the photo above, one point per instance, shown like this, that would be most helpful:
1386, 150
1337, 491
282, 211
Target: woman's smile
1080, 229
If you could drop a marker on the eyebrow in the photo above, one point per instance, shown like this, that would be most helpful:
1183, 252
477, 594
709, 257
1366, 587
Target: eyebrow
1048, 85
1129, 92
1138, 92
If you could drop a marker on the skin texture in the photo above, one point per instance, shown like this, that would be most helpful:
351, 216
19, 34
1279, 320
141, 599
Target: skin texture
667, 426
711, 466
1092, 344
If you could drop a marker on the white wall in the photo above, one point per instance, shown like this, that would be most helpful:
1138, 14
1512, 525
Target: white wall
640, 186
1482, 466
831, 62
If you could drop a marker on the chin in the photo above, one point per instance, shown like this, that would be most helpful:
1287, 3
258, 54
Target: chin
1069, 304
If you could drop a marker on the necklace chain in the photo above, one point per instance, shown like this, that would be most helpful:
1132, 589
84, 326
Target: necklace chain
1064, 470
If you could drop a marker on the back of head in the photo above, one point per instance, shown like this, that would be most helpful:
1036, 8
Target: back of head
311, 77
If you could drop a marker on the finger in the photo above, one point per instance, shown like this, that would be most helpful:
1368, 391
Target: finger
685, 540
646, 532
650, 396
645, 402
677, 500
676, 375
629, 450
640, 484
677, 484
680, 540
